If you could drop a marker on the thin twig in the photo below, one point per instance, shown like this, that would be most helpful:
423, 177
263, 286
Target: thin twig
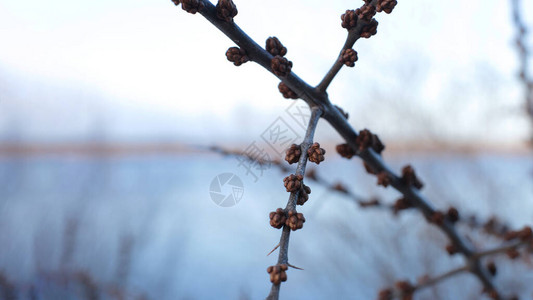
434, 280
283, 257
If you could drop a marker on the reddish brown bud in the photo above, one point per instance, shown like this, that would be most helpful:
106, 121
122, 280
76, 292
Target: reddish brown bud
452, 249
277, 273
339, 187
274, 47
176, 2
292, 155
191, 6
368, 168
452, 215
513, 253
280, 66
237, 56
315, 153
348, 57
523, 234
293, 182
386, 294
366, 12
370, 29
295, 220
303, 196
226, 10
345, 151
349, 19
409, 177
366, 139
406, 289
491, 266
437, 218
384, 179
278, 218
401, 204
286, 91
386, 5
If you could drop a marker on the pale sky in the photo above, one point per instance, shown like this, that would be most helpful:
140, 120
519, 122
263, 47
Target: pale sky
149, 70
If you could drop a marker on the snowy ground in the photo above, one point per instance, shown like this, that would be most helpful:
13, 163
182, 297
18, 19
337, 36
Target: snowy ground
147, 224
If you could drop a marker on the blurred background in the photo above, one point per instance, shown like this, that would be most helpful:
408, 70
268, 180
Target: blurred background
107, 110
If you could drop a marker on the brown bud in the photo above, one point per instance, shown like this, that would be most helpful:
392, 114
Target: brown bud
278, 218
345, 151
513, 253
368, 168
226, 10
237, 56
406, 289
295, 220
293, 182
176, 2
349, 19
280, 66
277, 273
385, 294
286, 91
452, 249
370, 29
191, 6
491, 266
315, 153
366, 139
437, 218
452, 215
348, 57
292, 155
339, 187
523, 234
303, 196
386, 5
401, 204
384, 179
274, 47
409, 177
311, 174
366, 12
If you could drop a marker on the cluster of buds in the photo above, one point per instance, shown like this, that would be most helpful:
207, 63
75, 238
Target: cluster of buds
366, 12
524, 234
277, 273
303, 196
409, 177
280, 66
237, 56
226, 10
345, 151
293, 182
190, 6
369, 29
349, 19
292, 155
275, 47
315, 153
295, 220
286, 91
348, 57
278, 218
386, 5
367, 139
